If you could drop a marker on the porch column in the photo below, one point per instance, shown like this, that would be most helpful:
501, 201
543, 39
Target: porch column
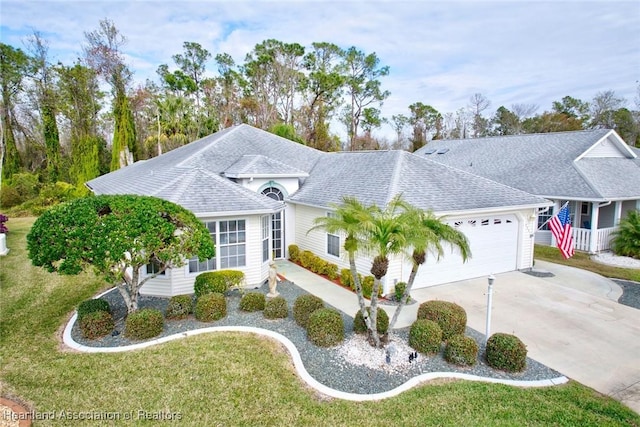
617, 214
593, 234
556, 208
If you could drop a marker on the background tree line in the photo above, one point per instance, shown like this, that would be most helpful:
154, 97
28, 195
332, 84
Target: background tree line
64, 124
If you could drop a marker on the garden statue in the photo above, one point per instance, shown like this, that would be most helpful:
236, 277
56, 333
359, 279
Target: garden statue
273, 280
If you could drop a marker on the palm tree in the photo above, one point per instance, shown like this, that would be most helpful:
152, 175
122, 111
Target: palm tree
426, 234
374, 231
350, 219
626, 241
385, 234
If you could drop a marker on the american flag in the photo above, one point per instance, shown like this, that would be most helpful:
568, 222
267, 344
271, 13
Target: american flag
560, 226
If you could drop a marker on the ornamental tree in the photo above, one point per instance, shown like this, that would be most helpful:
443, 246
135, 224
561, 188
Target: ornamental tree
117, 235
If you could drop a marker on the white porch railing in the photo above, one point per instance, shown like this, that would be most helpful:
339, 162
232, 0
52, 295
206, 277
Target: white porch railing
582, 237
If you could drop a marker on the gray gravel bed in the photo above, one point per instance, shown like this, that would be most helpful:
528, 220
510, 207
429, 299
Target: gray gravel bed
630, 293
325, 365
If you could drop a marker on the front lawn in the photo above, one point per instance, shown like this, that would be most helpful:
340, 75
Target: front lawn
227, 379
583, 260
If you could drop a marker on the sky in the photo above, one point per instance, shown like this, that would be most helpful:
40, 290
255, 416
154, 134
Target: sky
439, 53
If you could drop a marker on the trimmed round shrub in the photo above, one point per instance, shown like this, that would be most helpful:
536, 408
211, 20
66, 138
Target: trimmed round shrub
506, 352
179, 307
209, 283
450, 316
210, 307
303, 306
276, 308
252, 301
325, 327
217, 282
425, 336
96, 325
382, 322
144, 324
461, 350
399, 290
92, 306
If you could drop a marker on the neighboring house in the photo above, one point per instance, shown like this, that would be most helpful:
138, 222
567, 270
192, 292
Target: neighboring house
594, 170
258, 193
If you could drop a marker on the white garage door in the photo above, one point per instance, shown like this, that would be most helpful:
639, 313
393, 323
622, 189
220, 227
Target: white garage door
494, 249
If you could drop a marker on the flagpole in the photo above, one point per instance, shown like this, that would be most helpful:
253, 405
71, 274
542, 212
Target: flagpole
551, 217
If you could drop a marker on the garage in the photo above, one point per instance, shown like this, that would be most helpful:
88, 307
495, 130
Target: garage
494, 248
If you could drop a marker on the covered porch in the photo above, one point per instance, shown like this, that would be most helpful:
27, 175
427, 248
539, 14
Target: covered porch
593, 222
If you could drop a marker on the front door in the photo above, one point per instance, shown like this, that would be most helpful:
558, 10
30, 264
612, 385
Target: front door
277, 224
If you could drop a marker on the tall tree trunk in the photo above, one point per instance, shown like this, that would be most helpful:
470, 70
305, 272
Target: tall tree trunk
405, 295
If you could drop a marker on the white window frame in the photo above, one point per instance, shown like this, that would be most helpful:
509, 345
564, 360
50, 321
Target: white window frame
331, 236
265, 222
233, 240
211, 261
147, 271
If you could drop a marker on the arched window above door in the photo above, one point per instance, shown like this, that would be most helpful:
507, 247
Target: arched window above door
274, 193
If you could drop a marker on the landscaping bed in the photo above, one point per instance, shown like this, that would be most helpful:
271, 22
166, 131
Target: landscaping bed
337, 367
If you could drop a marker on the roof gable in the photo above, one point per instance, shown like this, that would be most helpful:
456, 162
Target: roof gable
259, 166
610, 145
544, 164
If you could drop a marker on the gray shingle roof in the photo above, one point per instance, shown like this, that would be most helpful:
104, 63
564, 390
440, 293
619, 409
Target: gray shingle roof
196, 177
544, 164
375, 177
190, 175
255, 166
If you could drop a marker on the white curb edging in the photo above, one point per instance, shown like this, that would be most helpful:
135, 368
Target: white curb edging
297, 362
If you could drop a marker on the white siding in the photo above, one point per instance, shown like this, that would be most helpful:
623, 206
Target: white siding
604, 148
529, 224
316, 240
160, 286
543, 237
180, 281
515, 237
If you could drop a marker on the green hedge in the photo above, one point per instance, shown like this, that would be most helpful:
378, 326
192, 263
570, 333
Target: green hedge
276, 308
96, 324
179, 307
252, 301
294, 253
92, 306
217, 282
325, 327
399, 290
506, 352
425, 336
450, 316
144, 324
382, 322
211, 307
461, 350
303, 306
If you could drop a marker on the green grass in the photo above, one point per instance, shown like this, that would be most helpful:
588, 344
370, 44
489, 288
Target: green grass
230, 379
582, 260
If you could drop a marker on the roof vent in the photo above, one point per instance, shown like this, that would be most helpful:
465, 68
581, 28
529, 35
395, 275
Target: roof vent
442, 150
429, 151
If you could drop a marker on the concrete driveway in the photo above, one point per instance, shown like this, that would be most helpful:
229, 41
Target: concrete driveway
570, 322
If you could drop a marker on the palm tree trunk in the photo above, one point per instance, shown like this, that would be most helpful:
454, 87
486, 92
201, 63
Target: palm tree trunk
356, 280
405, 295
372, 323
